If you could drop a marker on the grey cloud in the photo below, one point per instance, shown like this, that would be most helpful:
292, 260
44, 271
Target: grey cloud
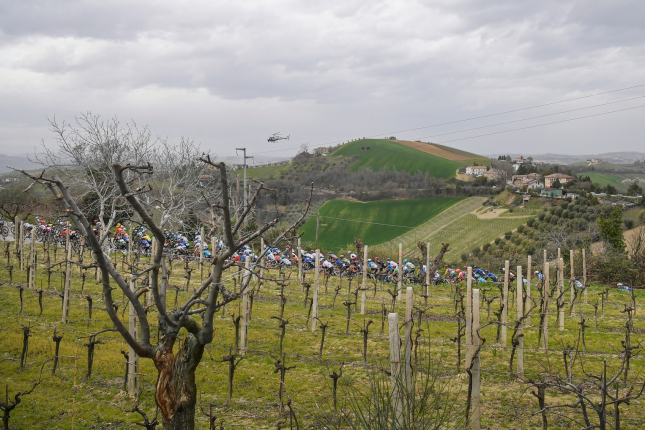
327, 70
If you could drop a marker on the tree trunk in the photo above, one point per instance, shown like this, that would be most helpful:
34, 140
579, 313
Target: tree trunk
176, 391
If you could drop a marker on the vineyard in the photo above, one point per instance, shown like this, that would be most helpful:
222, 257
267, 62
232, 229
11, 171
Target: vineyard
380, 221
450, 226
87, 389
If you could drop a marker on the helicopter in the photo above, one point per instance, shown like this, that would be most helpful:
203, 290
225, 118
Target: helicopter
276, 136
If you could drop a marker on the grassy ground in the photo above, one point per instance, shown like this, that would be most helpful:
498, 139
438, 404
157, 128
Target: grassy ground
70, 400
385, 154
456, 226
335, 235
605, 179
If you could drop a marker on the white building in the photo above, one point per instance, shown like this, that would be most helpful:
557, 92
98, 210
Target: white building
475, 170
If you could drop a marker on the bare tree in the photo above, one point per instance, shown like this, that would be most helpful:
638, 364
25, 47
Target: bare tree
156, 185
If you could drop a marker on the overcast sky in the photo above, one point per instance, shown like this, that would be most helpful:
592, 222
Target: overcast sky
229, 74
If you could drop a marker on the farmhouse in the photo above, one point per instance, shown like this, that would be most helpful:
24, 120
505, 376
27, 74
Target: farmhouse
322, 150
532, 184
494, 174
475, 170
550, 179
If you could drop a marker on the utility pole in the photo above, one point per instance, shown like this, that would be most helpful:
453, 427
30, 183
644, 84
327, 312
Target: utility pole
246, 201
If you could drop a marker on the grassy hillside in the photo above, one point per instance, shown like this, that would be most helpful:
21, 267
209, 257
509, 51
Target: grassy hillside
611, 179
457, 226
385, 154
265, 172
336, 235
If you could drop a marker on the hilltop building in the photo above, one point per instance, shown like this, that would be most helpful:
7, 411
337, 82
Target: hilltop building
550, 179
494, 174
322, 150
475, 170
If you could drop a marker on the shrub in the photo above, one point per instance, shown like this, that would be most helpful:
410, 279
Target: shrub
464, 258
508, 235
530, 222
498, 240
629, 224
541, 216
558, 212
520, 229
486, 247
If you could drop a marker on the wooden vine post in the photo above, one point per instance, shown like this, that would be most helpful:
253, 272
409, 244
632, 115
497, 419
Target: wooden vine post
130, 240
469, 316
584, 276
261, 263
244, 330
527, 304
364, 292
428, 269
475, 420
133, 358
505, 304
299, 258
561, 293
21, 242
202, 242
314, 303
545, 298
16, 236
520, 331
31, 282
409, 306
395, 367
67, 292
572, 283
399, 279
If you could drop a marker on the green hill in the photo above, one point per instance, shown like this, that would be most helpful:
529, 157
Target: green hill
370, 219
386, 154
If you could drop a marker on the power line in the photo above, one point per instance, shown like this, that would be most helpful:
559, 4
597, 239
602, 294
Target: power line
541, 125
512, 111
485, 116
533, 117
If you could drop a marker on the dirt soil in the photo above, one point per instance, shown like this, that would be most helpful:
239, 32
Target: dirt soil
490, 214
434, 150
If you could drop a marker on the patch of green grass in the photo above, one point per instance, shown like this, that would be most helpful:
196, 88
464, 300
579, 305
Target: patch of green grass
605, 179
457, 226
386, 154
337, 234
266, 172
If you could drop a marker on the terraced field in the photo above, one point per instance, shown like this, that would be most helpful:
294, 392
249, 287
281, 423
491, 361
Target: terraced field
375, 222
458, 226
